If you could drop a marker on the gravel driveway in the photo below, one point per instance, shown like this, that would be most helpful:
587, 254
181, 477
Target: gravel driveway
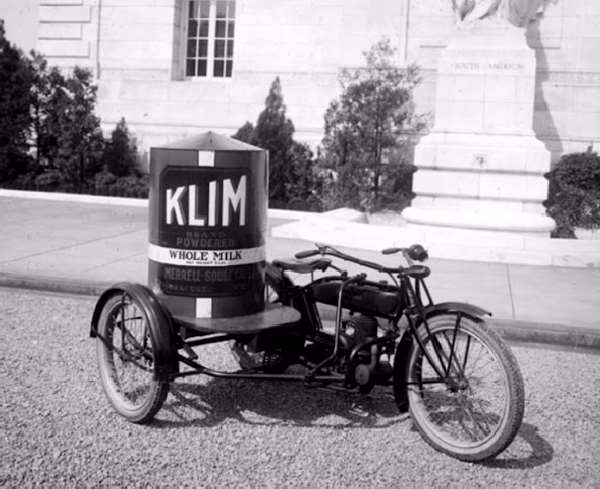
58, 430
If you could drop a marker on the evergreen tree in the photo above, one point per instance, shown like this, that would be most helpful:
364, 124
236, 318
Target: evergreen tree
54, 113
304, 187
120, 153
244, 133
69, 132
365, 127
44, 139
15, 98
274, 131
291, 174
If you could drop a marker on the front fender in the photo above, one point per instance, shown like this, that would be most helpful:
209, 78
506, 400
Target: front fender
403, 349
474, 312
161, 327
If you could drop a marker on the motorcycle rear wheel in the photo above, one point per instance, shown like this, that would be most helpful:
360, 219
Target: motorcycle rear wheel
476, 412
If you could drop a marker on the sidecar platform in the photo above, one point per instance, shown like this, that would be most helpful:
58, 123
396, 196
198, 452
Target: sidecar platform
273, 316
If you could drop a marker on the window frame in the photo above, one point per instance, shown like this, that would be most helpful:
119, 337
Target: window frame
211, 41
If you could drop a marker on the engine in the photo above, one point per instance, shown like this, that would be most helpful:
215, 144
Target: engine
362, 328
365, 367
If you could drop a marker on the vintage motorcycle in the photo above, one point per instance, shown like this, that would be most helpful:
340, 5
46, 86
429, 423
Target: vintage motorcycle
444, 363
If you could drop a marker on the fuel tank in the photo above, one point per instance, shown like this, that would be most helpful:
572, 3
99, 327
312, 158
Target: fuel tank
372, 298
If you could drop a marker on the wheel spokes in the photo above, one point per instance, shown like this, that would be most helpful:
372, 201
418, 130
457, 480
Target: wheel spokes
468, 405
133, 361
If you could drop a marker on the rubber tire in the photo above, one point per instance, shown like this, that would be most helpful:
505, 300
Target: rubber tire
158, 389
513, 418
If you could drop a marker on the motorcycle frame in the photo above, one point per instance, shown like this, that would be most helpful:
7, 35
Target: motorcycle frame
413, 294
407, 294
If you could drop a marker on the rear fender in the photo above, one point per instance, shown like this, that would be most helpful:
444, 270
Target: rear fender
402, 354
159, 320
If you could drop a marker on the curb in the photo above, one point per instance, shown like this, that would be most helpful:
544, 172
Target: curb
546, 333
79, 198
51, 284
511, 330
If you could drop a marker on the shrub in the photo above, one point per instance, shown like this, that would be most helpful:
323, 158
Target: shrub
574, 197
103, 181
106, 183
130, 186
367, 132
23, 182
50, 180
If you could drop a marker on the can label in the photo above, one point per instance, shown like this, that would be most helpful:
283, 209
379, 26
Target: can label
207, 246
203, 198
205, 258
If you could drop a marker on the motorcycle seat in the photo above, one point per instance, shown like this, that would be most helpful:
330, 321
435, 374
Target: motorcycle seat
303, 266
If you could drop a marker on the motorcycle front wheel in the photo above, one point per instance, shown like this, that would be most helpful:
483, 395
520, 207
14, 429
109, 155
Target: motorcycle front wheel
474, 409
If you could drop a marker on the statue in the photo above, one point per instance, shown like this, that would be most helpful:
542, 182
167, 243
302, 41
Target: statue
517, 12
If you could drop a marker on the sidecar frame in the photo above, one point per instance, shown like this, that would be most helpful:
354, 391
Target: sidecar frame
165, 329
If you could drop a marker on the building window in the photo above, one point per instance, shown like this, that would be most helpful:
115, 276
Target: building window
210, 33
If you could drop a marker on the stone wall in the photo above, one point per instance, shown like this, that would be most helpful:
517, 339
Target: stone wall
135, 50
137, 59
68, 32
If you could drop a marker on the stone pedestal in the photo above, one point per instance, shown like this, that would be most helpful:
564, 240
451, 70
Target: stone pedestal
481, 167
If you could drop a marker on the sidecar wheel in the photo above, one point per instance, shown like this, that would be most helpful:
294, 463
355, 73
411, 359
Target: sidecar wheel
126, 360
476, 411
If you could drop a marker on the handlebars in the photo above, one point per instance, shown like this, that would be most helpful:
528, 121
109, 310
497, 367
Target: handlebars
413, 253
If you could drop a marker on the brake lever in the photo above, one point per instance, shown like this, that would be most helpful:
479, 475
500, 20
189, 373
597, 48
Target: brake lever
321, 247
408, 258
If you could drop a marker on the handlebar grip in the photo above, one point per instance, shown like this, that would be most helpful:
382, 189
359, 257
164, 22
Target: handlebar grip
307, 253
391, 251
417, 253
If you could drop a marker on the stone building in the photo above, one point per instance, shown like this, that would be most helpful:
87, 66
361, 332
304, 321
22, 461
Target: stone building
177, 67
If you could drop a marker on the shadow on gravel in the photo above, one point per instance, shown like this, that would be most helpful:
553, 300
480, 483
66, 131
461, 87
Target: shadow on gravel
276, 403
273, 403
541, 451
